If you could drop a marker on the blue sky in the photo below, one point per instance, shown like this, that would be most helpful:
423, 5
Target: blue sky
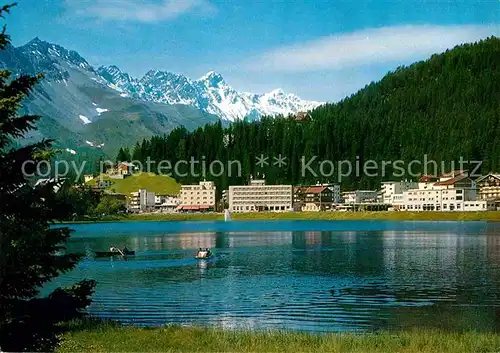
320, 50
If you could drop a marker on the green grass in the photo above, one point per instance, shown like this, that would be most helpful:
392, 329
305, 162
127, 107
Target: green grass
115, 338
391, 216
381, 215
159, 184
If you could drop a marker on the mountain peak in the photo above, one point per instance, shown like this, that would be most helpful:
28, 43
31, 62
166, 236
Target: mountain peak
111, 67
212, 78
45, 54
277, 92
35, 41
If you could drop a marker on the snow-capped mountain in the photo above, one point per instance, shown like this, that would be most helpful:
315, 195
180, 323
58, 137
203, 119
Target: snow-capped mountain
109, 108
78, 106
209, 93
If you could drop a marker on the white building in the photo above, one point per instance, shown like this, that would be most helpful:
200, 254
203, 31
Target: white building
489, 187
391, 188
360, 196
455, 192
199, 197
260, 197
166, 203
142, 201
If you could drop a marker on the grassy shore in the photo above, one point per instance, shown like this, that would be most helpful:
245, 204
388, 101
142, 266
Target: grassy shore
115, 338
390, 216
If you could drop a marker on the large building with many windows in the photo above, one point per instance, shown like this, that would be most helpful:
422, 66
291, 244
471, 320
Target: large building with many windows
260, 197
142, 201
452, 192
489, 187
359, 196
390, 189
199, 197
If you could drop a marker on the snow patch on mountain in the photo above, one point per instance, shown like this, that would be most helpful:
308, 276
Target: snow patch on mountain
101, 110
209, 93
85, 119
94, 144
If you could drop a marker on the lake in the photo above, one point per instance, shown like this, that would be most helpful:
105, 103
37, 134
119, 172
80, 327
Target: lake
295, 275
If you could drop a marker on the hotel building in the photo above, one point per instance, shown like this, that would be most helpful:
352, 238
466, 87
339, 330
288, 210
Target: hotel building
392, 188
260, 197
142, 201
489, 187
360, 196
453, 192
199, 197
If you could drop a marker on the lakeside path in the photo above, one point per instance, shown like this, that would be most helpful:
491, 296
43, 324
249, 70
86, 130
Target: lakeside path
116, 338
389, 216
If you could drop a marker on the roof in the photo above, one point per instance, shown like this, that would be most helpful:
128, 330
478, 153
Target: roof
193, 207
314, 189
302, 116
427, 178
453, 173
481, 178
452, 181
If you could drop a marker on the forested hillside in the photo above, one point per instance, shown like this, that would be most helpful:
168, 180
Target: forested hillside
446, 107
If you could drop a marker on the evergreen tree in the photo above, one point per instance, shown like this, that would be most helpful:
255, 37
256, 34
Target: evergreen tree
123, 155
31, 251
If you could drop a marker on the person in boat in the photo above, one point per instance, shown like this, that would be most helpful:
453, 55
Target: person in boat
209, 253
125, 249
202, 253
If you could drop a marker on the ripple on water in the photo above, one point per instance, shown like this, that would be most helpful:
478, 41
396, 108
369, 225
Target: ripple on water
313, 276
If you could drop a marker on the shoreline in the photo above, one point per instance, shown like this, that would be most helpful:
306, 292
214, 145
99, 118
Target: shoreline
114, 337
493, 216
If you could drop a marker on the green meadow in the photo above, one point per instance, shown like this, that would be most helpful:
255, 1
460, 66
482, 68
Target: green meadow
334, 216
116, 338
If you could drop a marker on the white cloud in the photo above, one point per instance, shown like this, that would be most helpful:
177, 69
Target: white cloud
367, 47
148, 11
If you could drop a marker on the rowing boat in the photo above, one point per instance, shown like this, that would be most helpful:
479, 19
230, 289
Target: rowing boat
204, 257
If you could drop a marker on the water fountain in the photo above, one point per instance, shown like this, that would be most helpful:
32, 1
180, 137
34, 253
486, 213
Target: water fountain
227, 215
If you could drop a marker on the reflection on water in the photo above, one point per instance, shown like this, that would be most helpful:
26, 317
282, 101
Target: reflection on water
318, 276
